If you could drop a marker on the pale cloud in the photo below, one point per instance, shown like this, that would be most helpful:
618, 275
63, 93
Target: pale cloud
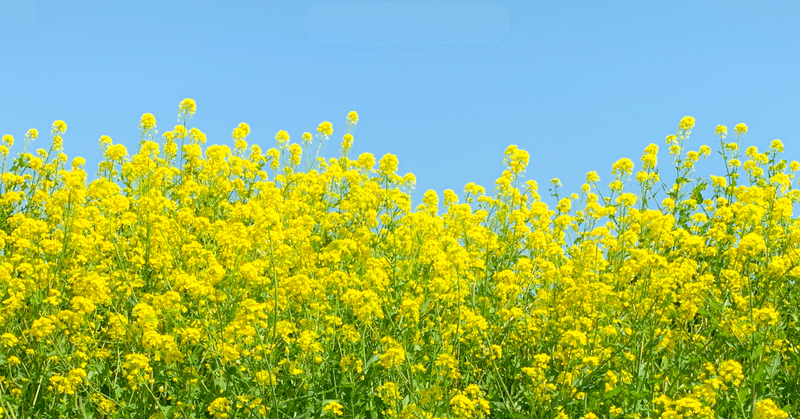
406, 25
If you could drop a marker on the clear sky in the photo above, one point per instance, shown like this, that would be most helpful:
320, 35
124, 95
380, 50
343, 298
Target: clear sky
444, 86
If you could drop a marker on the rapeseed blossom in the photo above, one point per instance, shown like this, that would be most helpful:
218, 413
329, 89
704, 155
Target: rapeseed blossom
325, 128
219, 408
767, 409
333, 407
352, 117
188, 279
188, 107
740, 129
147, 123
59, 127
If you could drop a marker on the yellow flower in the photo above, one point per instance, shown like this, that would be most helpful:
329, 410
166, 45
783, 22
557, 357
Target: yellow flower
78, 162
767, 409
765, 316
33, 133
220, 407
197, 135
42, 327
388, 164
731, 372
431, 199
687, 123
366, 161
137, 369
650, 156
392, 357
325, 128
106, 405
59, 126
238, 134
516, 159
274, 154
9, 340
751, 244
563, 205
67, 385
148, 122
388, 393
240, 145
352, 117
347, 141
179, 131
574, 338
719, 181
461, 406
245, 128
282, 137
296, 153
740, 129
116, 152
722, 131
450, 197
228, 353
188, 106
264, 377
623, 167
626, 199
105, 140
333, 407
449, 364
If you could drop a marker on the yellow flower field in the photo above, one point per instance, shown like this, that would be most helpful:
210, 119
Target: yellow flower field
192, 282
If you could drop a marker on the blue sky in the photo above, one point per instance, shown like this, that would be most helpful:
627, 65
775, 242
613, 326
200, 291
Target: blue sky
578, 84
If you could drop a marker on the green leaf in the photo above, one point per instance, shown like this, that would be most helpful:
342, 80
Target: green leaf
742, 394
167, 411
698, 197
220, 383
612, 393
773, 367
757, 352
116, 390
371, 361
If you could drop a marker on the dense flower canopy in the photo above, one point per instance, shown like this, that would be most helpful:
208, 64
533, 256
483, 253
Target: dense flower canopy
191, 282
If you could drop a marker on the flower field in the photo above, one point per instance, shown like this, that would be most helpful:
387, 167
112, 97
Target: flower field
192, 282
